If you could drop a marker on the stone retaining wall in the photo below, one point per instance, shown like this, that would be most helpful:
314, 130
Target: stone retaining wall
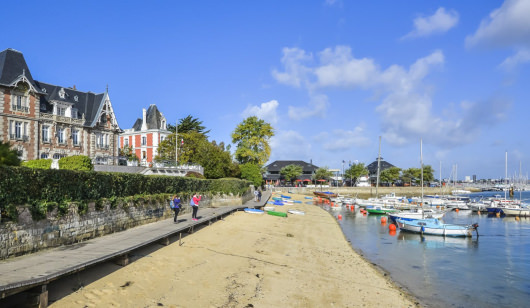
27, 236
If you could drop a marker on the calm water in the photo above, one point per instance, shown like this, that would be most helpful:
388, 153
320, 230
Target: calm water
492, 270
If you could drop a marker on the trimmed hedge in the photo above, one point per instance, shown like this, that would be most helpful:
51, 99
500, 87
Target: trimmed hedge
38, 163
77, 162
21, 185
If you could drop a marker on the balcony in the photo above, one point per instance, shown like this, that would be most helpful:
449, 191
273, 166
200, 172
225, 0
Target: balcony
19, 137
102, 146
15, 107
62, 119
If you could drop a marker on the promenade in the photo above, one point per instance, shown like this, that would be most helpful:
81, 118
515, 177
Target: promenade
31, 273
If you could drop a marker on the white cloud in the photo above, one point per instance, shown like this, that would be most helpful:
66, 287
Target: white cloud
507, 26
295, 71
522, 56
440, 22
266, 111
318, 105
343, 140
289, 145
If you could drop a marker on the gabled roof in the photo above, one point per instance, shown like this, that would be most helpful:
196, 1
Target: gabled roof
279, 164
87, 103
12, 66
372, 168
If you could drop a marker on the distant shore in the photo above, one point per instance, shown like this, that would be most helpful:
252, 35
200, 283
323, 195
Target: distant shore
250, 260
368, 192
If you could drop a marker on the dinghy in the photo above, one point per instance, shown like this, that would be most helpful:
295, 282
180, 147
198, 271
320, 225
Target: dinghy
253, 211
279, 214
296, 212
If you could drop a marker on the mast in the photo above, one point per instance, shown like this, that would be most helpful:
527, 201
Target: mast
421, 163
378, 168
176, 143
505, 172
441, 192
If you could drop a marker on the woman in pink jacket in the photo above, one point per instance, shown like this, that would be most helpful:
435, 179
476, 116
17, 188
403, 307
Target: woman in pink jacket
195, 206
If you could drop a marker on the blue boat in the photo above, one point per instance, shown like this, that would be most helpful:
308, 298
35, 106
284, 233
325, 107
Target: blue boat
286, 197
277, 203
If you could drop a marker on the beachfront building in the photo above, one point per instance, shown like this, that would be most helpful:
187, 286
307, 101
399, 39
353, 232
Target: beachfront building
146, 135
272, 171
43, 120
372, 169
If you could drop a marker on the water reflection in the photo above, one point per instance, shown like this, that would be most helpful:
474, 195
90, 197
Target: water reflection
433, 241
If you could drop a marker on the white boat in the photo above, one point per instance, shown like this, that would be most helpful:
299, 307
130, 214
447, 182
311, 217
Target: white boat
433, 226
516, 211
296, 212
362, 181
416, 213
460, 192
253, 211
269, 208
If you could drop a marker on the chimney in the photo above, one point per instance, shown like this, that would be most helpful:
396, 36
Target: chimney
74, 87
144, 119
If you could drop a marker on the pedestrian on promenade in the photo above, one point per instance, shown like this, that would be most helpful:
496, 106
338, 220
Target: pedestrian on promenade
195, 206
259, 195
176, 207
256, 195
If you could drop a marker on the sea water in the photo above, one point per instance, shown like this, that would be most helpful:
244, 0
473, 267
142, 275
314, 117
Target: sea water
491, 270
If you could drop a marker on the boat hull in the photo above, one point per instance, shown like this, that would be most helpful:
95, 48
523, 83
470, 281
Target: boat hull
516, 212
434, 227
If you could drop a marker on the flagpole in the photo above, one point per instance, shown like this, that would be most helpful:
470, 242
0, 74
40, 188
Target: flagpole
176, 143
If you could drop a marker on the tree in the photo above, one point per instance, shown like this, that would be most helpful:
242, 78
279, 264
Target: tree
291, 172
390, 175
8, 157
428, 173
355, 171
251, 172
189, 124
322, 173
252, 141
127, 151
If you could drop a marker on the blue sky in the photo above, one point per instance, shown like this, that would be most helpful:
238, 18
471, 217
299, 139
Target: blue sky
330, 76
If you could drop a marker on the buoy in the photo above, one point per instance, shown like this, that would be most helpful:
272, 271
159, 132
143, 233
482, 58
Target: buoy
331, 203
457, 210
351, 208
392, 227
516, 217
340, 217
383, 220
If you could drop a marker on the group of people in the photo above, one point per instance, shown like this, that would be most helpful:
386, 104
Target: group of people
257, 195
194, 203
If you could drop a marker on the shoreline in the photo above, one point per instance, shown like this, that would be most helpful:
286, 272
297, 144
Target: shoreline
250, 260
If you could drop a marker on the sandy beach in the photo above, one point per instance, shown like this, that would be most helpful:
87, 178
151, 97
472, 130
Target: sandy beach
249, 260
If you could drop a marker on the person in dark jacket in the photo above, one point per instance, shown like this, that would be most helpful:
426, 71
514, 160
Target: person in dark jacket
176, 207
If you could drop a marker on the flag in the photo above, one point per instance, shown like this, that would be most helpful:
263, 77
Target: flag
181, 141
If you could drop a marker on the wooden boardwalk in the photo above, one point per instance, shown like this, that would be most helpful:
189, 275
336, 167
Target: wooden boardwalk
35, 271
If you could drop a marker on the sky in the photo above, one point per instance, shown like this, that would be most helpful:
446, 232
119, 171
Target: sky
330, 76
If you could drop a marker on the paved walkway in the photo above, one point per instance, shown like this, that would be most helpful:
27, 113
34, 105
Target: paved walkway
37, 269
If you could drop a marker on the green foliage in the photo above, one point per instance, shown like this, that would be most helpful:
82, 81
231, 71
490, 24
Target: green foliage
252, 141
390, 175
322, 173
8, 157
191, 124
355, 171
38, 163
411, 175
77, 162
193, 174
128, 152
291, 172
251, 172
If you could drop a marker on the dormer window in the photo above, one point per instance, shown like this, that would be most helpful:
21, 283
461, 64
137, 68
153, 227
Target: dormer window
61, 93
76, 98
44, 90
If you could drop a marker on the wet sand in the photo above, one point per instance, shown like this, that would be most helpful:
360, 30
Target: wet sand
249, 260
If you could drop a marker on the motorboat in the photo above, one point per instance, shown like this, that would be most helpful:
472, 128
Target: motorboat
433, 226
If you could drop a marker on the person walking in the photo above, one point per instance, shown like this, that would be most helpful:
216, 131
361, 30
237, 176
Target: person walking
176, 207
256, 195
195, 206
259, 195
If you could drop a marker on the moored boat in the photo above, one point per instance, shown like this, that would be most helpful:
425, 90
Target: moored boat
380, 210
416, 213
325, 194
433, 226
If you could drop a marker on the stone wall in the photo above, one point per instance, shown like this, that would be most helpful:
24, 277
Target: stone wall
27, 236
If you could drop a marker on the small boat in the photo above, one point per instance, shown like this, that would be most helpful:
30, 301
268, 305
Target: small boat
380, 210
516, 211
311, 198
268, 208
253, 211
325, 194
296, 212
277, 198
433, 226
286, 197
277, 202
279, 214
416, 213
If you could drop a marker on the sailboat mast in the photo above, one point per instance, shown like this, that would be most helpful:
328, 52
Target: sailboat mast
421, 162
378, 168
505, 173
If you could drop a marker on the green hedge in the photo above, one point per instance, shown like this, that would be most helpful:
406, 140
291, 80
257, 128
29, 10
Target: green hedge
21, 185
38, 163
77, 162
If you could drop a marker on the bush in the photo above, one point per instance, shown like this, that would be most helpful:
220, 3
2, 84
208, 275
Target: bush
38, 163
193, 174
251, 172
78, 162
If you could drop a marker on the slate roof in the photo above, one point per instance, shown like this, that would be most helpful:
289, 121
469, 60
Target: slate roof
13, 64
372, 168
279, 164
153, 118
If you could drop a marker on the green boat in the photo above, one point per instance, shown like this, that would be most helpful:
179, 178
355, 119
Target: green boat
380, 210
274, 213
277, 198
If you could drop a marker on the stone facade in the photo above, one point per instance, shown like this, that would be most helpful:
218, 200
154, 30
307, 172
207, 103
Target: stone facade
27, 236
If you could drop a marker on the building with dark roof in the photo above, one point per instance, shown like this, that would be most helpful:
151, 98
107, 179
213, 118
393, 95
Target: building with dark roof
272, 173
372, 169
42, 120
146, 134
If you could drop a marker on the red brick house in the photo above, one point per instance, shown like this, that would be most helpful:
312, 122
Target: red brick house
42, 120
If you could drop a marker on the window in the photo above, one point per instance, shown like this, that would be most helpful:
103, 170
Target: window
75, 136
144, 140
144, 154
126, 141
45, 133
44, 155
18, 130
60, 136
19, 103
61, 111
